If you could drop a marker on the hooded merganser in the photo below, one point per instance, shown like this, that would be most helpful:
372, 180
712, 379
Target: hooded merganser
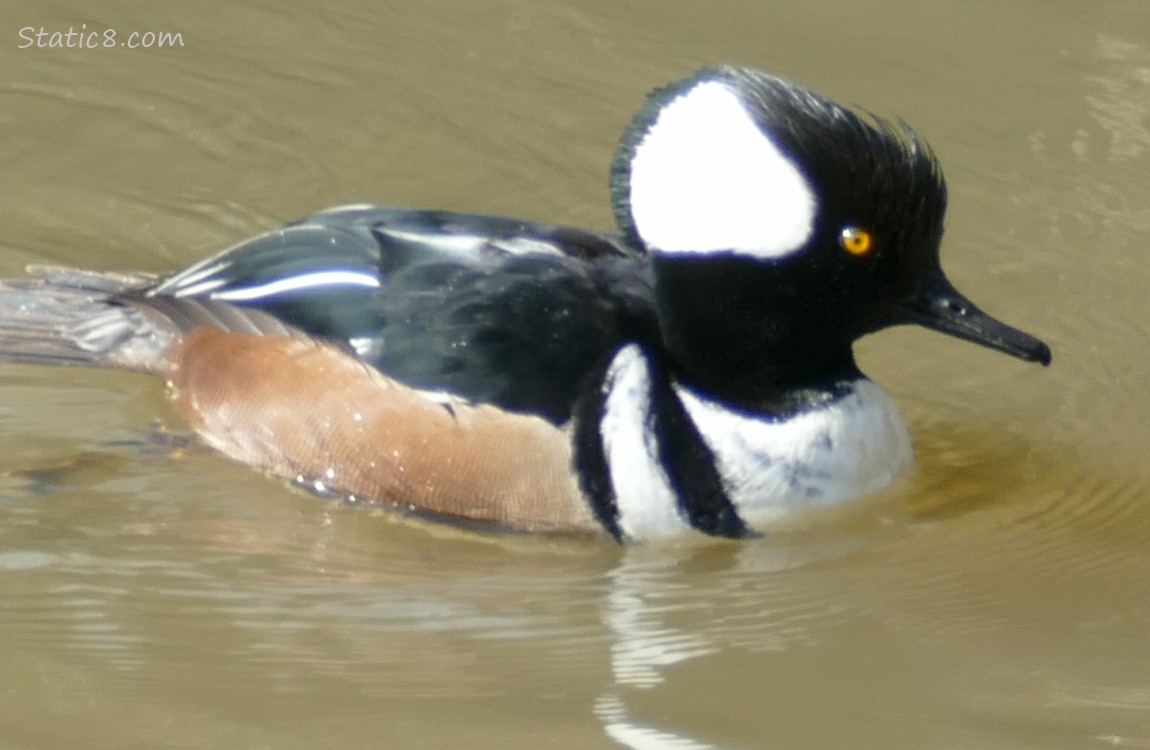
693, 371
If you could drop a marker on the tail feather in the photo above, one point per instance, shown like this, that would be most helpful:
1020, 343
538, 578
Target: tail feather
108, 282
66, 316
70, 318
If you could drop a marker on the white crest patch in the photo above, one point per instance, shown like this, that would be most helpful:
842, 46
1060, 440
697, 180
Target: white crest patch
647, 505
706, 178
825, 456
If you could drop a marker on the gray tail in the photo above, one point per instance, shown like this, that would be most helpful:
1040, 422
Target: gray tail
65, 316
69, 317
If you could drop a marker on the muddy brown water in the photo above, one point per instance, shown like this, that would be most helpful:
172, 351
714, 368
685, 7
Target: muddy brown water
153, 594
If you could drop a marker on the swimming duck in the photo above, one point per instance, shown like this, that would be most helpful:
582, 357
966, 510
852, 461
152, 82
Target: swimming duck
693, 370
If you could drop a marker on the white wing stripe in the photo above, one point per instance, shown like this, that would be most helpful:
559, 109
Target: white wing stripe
298, 283
194, 290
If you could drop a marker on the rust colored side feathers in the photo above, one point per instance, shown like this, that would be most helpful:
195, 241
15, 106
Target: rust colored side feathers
309, 412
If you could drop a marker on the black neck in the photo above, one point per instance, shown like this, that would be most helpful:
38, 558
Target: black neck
734, 334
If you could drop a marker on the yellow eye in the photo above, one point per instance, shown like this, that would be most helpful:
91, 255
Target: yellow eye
856, 240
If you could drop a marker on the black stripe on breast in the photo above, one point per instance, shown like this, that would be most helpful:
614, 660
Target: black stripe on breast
691, 466
589, 457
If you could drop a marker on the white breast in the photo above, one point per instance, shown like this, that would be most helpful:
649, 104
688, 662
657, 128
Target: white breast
646, 503
821, 457
827, 455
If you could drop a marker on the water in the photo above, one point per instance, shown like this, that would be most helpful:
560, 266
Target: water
156, 595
